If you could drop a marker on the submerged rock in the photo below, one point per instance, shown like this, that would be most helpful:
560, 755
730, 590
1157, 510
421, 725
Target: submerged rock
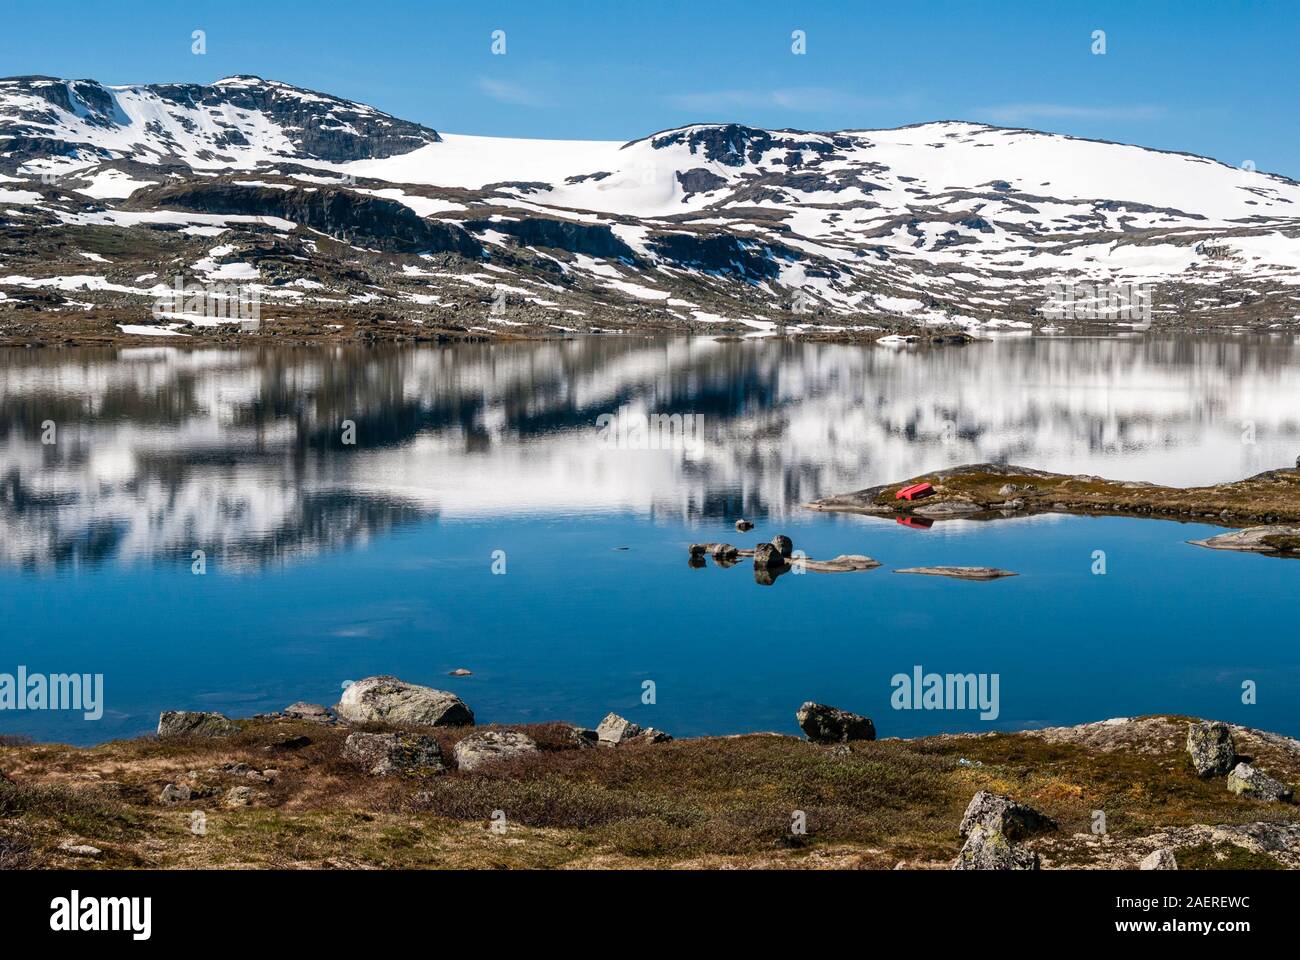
961, 573
823, 724
1246, 781
383, 753
491, 745
1211, 749
194, 723
390, 700
1162, 859
992, 850
1000, 814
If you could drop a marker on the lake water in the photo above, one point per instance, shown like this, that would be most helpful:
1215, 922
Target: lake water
328, 561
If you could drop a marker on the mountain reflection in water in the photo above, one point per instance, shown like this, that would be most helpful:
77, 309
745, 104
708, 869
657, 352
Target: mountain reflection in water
160, 451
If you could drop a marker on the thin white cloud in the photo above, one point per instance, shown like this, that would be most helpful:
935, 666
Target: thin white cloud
1029, 112
507, 92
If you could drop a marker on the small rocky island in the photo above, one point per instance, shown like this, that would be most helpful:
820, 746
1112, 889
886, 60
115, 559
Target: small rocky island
399, 775
1267, 504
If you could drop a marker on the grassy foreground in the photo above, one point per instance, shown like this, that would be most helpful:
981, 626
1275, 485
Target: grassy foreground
708, 802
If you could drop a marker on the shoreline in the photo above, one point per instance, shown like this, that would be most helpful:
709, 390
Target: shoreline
400, 776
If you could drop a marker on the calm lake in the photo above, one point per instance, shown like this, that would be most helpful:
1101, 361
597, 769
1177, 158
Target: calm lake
329, 561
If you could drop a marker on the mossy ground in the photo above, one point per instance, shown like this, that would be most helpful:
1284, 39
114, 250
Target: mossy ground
702, 802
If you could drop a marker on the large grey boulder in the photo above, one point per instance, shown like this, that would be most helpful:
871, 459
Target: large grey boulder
1000, 814
1162, 859
1246, 781
615, 730
383, 753
492, 745
390, 700
194, 723
991, 850
1211, 748
768, 557
823, 724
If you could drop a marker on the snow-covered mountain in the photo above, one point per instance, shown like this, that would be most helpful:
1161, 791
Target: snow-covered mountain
334, 211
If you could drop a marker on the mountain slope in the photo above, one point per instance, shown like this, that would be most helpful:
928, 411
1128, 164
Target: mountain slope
328, 210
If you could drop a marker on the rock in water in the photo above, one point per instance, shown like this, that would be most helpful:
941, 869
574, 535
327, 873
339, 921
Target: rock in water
744, 526
768, 557
193, 723
615, 729
1211, 748
961, 573
490, 745
823, 724
784, 544
1003, 815
991, 850
390, 700
1246, 781
1162, 859
383, 753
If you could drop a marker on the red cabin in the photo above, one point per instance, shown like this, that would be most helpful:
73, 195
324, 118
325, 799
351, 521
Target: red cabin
914, 492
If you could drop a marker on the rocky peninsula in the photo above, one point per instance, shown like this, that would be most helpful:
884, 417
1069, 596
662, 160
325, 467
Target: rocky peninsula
398, 775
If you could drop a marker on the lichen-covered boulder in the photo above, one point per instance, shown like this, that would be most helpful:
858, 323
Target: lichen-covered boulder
995, 812
615, 730
1162, 859
195, 723
492, 745
1246, 781
390, 700
384, 753
1211, 749
823, 724
992, 850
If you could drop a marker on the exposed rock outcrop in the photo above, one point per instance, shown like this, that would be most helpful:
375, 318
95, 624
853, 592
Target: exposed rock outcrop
490, 746
823, 724
1211, 748
384, 753
195, 723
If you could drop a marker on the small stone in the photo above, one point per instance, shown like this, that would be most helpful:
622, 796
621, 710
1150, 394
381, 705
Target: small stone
384, 753
991, 850
651, 735
460, 672
1000, 814
615, 729
239, 796
194, 723
175, 793
783, 544
1162, 859
80, 849
1246, 781
725, 552
1211, 748
744, 526
823, 724
490, 746
309, 712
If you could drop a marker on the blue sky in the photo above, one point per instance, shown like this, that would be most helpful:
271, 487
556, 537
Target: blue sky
1212, 78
